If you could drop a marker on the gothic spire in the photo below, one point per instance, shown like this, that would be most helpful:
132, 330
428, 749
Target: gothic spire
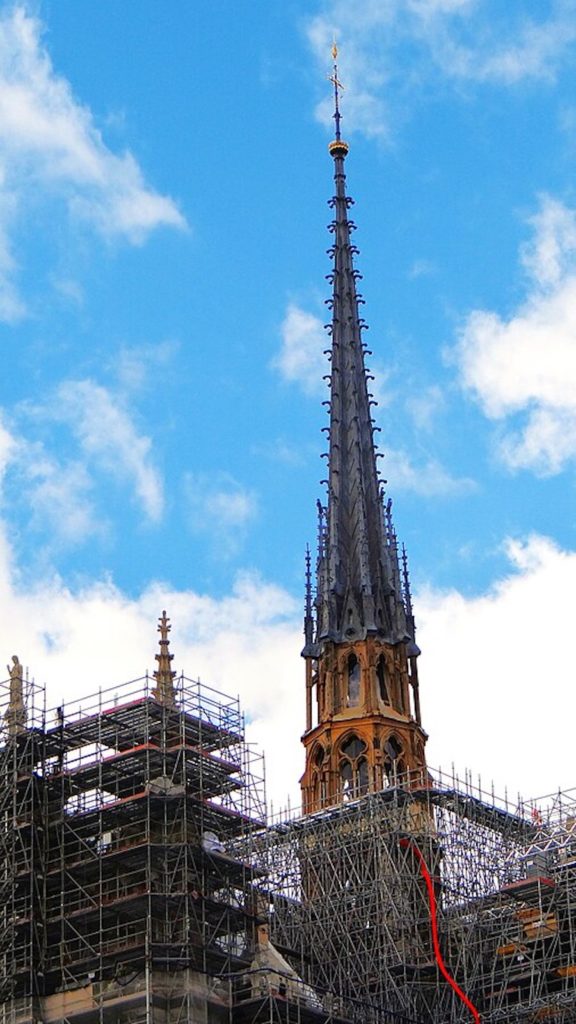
358, 573
164, 691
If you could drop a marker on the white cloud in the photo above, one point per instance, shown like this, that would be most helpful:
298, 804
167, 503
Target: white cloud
550, 254
493, 668
55, 494
425, 405
526, 359
540, 49
221, 508
71, 291
516, 50
463, 40
546, 443
12, 308
301, 359
245, 644
109, 438
429, 8
231, 507
60, 491
46, 134
280, 450
51, 146
527, 363
7, 448
137, 366
59, 497
421, 268
493, 672
427, 477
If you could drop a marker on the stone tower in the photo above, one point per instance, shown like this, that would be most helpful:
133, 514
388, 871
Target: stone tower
363, 726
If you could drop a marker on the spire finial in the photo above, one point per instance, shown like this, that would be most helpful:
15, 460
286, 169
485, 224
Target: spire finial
337, 87
413, 650
308, 616
338, 147
406, 584
164, 689
393, 545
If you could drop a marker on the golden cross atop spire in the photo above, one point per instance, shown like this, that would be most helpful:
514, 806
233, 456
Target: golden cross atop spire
334, 76
338, 148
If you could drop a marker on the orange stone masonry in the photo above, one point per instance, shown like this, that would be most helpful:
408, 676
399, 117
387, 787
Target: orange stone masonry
367, 735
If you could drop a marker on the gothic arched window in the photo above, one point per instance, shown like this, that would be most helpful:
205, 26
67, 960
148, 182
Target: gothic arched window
393, 764
353, 768
381, 678
353, 681
362, 776
318, 784
346, 780
353, 746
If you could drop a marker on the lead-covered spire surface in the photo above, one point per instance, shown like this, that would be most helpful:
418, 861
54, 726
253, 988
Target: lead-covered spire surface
358, 578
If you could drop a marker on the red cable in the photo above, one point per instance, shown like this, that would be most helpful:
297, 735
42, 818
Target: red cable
410, 844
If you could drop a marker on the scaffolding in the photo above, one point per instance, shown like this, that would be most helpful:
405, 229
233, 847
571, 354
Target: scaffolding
22, 848
141, 884
117, 893
130, 888
352, 913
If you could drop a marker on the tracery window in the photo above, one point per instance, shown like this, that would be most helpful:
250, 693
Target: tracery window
337, 686
353, 768
316, 696
353, 746
317, 780
346, 780
393, 762
401, 701
353, 681
362, 775
381, 679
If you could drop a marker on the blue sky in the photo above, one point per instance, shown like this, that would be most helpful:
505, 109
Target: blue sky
163, 184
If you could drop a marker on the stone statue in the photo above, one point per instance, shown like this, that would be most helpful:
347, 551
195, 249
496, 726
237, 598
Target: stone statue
15, 670
16, 711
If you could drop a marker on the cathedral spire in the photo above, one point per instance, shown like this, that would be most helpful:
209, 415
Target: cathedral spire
358, 578
363, 728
